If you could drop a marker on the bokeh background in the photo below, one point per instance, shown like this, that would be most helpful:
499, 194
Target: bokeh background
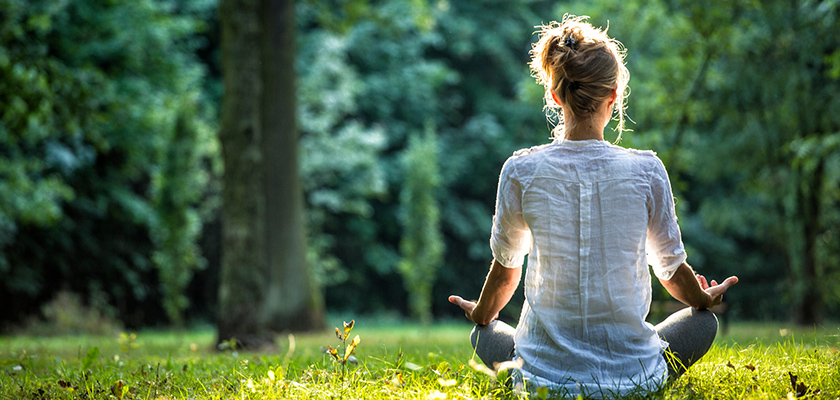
111, 168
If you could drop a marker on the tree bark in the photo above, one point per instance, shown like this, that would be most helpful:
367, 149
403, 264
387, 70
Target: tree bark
241, 288
265, 285
292, 300
808, 306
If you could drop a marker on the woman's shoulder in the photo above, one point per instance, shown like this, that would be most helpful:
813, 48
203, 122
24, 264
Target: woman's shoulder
526, 156
528, 150
523, 160
635, 152
648, 158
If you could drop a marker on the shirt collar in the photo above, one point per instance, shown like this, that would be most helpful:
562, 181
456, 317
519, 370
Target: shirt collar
580, 143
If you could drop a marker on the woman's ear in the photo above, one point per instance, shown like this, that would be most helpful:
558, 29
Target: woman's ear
556, 99
613, 96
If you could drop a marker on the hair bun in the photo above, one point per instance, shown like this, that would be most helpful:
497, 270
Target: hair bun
581, 66
572, 37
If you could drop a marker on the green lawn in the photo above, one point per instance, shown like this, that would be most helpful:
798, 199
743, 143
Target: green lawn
751, 360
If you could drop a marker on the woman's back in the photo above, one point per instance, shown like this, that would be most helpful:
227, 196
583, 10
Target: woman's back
587, 286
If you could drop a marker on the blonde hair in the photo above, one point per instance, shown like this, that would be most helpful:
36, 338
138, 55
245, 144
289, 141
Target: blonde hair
582, 66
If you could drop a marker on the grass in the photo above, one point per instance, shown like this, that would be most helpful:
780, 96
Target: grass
396, 361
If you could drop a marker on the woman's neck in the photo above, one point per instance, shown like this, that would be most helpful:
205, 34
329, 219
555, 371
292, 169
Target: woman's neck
586, 130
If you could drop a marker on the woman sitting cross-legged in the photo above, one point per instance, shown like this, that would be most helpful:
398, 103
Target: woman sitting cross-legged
591, 216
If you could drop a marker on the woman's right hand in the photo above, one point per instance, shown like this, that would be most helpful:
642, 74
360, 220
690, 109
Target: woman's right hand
498, 288
469, 309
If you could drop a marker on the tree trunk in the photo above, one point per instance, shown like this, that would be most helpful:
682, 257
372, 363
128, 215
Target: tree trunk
241, 286
264, 284
808, 306
292, 301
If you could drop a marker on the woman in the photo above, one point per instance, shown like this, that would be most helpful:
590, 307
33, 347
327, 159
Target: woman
591, 216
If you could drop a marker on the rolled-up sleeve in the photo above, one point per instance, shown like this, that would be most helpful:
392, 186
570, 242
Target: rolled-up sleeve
665, 250
510, 239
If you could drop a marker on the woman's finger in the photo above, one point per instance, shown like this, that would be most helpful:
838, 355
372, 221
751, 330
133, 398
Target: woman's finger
702, 281
721, 289
460, 302
730, 281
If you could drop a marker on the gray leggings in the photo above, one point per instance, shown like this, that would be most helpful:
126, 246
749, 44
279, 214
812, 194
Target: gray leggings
689, 332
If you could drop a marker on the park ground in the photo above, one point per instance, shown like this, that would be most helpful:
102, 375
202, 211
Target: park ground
395, 360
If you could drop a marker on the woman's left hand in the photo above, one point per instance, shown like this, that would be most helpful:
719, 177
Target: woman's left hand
715, 290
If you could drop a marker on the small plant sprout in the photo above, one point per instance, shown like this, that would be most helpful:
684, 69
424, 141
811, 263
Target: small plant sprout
342, 335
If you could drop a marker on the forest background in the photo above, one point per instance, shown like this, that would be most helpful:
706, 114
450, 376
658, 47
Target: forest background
111, 171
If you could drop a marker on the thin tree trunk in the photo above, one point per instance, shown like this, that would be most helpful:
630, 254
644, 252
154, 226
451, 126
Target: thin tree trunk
809, 305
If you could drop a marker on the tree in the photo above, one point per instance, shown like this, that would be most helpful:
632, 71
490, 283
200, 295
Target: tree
775, 138
339, 155
93, 93
177, 192
265, 283
422, 243
398, 65
292, 300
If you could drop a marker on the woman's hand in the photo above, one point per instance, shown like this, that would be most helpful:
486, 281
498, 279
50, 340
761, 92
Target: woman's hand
715, 290
469, 310
694, 290
498, 288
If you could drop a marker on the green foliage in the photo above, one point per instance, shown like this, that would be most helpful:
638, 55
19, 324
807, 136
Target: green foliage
422, 244
403, 65
773, 196
41, 97
704, 98
108, 164
178, 187
339, 153
90, 358
94, 90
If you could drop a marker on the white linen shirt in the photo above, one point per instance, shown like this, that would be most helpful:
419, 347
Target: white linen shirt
587, 212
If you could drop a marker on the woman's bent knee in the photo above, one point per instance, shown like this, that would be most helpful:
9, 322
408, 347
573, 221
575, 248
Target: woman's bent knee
493, 342
488, 330
703, 321
707, 321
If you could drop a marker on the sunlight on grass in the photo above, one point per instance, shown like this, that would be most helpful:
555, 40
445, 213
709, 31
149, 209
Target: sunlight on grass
768, 333
762, 371
394, 361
